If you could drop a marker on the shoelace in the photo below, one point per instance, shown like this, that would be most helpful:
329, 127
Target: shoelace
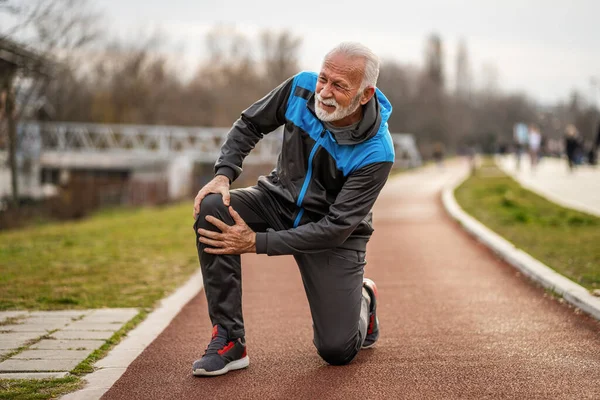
216, 344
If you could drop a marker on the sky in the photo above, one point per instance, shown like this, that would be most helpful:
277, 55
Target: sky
544, 49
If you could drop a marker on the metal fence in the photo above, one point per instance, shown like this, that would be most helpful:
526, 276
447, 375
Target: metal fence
159, 142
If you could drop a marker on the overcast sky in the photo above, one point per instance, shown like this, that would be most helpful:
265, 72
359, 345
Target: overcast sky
543, 48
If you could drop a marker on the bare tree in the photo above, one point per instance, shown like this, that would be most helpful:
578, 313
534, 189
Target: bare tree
231, 75
490, 80
280, 55
431, 102
463, 72
54, 29
434, 61
400, 84
134, 83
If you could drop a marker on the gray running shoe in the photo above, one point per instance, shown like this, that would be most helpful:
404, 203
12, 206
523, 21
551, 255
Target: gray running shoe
221, 355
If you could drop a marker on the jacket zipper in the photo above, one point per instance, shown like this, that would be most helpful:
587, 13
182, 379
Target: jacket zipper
307, 178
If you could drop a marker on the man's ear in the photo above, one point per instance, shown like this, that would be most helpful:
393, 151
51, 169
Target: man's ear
367, 94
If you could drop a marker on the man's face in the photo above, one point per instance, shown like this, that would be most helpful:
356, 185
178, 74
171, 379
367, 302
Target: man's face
338, 85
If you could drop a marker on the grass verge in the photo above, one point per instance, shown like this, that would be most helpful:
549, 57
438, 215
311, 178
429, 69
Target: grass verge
116, 258
40, 389
121, 258
566, 240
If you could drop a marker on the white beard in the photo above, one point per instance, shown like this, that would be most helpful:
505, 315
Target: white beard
339, 113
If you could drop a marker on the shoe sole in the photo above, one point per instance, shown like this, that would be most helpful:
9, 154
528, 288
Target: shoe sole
369, 286
368, 346
232, 366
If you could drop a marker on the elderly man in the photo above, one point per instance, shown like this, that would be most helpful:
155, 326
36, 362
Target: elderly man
316, 205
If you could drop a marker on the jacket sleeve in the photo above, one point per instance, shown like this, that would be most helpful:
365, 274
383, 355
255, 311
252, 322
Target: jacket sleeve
354, 202
262, 117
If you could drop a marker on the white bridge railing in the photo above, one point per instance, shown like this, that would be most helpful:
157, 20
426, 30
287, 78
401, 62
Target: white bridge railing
203, 144
155, 142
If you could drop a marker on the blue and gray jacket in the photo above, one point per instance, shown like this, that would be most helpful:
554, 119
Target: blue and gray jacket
324, 184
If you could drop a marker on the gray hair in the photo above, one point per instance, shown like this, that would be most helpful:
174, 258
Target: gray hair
355, 49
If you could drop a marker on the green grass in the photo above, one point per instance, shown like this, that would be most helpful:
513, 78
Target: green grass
38, 389
564, 239
118, 258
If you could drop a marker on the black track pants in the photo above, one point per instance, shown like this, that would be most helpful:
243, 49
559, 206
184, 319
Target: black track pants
332, 279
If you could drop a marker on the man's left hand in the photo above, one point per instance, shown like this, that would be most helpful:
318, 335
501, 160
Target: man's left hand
233, 239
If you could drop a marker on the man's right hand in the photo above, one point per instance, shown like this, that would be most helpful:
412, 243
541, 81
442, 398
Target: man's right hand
219, 184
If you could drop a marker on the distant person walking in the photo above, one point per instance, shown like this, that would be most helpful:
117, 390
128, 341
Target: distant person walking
571, 145
520, 136
438, 154
597, 144
535, 140
595, 148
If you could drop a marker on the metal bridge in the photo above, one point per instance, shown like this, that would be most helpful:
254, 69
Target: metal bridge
73, 145
49, 152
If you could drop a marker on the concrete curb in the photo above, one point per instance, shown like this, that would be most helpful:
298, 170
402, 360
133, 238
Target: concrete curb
110, 368
573, 293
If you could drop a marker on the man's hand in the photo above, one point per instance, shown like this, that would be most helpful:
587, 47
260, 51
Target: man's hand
219, 184
234, 239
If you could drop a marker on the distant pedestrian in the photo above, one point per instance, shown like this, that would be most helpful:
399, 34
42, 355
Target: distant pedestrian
520, 136
595, 148
535, 140
571, 145
438, 154
597, 144
543, 147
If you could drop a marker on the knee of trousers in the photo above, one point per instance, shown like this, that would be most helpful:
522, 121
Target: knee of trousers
211, 205
337, 353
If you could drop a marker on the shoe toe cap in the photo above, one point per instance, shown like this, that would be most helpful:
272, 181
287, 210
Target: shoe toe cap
208, 363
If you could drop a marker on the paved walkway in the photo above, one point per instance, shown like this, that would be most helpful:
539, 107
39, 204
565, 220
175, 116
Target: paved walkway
455, 323
552, 179
48, 344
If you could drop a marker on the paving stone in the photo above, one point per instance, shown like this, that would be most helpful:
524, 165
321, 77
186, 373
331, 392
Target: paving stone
50, 344
42, 329
11, 314
113, 314
15, 340
11, 344
52, 355
33, 375
114, 311
88, 326
49, 320
83, 335
12, 365
106, 319
19, 336
60, 314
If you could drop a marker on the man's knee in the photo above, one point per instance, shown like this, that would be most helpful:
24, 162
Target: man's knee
213, 205
337, 352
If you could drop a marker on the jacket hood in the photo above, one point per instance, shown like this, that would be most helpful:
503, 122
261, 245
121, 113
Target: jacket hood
375, 114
